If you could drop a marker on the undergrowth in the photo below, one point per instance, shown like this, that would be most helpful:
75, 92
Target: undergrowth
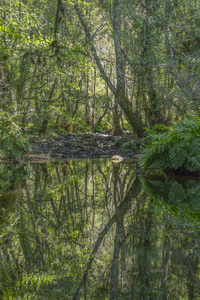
12, 141
175, 146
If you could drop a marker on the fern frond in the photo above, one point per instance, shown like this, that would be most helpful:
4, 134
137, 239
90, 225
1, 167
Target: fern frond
177, 147
177, 156
177, 192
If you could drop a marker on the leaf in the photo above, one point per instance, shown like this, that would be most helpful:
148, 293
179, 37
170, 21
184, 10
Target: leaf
177, 156
177, 192
177, 147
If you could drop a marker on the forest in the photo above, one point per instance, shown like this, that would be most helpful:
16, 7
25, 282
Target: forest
99, 149
96, 66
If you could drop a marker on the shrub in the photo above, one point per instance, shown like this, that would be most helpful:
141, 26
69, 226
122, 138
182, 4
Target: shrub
174, 147
12, 142
127, 146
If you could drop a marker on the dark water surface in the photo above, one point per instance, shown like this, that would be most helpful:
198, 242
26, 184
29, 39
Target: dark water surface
91, 229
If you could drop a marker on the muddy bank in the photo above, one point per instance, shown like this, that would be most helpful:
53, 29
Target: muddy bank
90, 145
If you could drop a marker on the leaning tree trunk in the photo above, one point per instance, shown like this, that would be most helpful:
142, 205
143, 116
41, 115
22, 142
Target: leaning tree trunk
119, 92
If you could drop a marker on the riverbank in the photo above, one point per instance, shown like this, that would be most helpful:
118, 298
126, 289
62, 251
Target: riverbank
87, 145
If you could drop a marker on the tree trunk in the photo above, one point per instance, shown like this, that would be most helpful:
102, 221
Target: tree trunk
116, 120
133, 118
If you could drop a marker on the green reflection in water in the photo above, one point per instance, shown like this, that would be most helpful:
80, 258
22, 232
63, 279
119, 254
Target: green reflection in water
91, 229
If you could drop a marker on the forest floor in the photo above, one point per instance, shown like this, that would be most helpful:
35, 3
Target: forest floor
86, 145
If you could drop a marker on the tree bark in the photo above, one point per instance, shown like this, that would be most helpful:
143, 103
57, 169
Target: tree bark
133, 117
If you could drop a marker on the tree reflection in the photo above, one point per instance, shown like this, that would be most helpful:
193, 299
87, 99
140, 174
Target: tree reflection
178, 200
83, 229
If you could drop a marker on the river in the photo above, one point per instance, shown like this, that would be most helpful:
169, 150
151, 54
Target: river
94, 229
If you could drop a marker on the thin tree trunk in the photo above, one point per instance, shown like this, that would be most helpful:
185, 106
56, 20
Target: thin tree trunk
94, 97
121, 209
133, 118
116, 120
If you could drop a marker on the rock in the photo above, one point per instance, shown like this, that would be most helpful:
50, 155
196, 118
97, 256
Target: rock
82, 145
116, 158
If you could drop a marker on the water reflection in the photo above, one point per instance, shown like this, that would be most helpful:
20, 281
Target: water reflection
91, 229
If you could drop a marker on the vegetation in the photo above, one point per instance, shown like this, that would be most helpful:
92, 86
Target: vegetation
173, 147
12, 142
112, 65
179, 194
80, 229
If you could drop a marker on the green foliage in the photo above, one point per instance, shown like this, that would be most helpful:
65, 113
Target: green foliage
174, 147
46, 65
127, 146
182, 198
12, 142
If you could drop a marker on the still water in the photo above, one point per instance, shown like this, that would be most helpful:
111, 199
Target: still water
92, 229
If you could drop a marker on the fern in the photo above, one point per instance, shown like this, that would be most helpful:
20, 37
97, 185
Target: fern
180, 198
174, 147
177, 192
177, 155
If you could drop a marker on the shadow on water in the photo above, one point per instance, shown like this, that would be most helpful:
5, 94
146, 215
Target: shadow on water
92, 229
